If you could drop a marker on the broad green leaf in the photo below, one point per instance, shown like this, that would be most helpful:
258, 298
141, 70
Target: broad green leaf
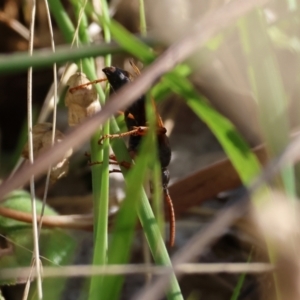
56, 246
20, 200
56, 249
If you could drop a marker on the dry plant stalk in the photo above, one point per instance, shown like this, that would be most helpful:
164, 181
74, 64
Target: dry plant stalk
277, 223
42, 140
83, 102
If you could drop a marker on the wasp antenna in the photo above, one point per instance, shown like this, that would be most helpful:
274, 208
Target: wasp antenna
171, 217
134, 67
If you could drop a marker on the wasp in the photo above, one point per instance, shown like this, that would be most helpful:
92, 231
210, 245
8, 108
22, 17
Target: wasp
136, 123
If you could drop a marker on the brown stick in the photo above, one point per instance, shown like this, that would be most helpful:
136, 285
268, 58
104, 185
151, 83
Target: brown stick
208, 183
65, 221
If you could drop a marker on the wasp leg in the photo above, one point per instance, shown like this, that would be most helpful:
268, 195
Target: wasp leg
81, 86
112, 161
135, 131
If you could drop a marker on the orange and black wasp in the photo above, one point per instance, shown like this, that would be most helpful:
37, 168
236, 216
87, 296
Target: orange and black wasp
136, 123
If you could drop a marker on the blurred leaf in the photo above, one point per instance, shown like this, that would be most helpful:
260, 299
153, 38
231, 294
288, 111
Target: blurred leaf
215, 42
282, 40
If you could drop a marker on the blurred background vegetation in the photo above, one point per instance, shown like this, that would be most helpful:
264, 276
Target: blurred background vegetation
237, 92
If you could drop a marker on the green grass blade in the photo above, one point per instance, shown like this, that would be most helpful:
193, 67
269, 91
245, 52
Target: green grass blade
126, 221
62, 19
17, 62
241, 156
128, 41
162, 90
143, 25
131, 43
102, 203
122, 237
100, 174
156, 180
241, 280
149, 224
